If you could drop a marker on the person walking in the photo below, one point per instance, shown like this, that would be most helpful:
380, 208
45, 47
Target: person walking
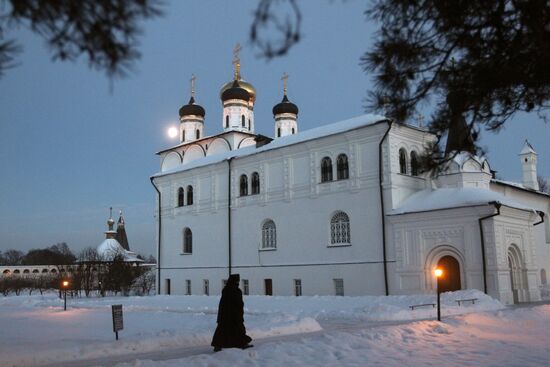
230, 332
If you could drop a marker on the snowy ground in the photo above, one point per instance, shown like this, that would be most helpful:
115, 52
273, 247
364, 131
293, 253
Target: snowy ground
296, 331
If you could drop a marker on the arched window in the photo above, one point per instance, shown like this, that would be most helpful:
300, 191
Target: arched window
249, 125
278, 132
243, 185
17, 271
342, 169
340, 229
189, 195
326, 169
187, 241
543, 280
255, 183
183, 135
269, 235
198, 132
180, 196
414, 164
35, 271
293, 131
226, 121
402, 161
243, 124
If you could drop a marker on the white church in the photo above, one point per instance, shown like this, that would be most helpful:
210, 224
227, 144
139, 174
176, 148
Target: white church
339, 210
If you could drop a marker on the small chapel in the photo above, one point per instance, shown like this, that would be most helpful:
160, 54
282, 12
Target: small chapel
342, 209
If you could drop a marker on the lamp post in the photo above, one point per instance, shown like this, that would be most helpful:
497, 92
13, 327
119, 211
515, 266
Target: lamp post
438, 274
65, 285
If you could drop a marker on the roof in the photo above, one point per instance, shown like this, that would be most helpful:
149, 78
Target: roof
220, 135
519, 186
449, 198
527, 149
306, 135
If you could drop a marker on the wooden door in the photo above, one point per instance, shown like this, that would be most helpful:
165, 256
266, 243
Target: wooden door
450, 281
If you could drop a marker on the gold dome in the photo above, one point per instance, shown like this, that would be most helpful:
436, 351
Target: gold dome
245, 85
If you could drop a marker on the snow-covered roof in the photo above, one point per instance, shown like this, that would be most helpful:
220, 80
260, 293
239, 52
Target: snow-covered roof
527, 149
447, 198
110, 248
519, 186
306, 135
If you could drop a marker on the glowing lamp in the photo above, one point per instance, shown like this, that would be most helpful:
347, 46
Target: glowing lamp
65, 283
172, 132
438, 272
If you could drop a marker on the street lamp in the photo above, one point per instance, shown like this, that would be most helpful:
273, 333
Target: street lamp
65, 286
438, 274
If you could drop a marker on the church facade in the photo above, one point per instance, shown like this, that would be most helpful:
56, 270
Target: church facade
339, 210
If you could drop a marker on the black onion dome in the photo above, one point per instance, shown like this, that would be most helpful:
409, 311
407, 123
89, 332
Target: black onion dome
192, 109
285, 107
235, 92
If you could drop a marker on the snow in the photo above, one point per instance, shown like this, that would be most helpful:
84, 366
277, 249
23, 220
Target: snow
444, 198
322, 131
293, 331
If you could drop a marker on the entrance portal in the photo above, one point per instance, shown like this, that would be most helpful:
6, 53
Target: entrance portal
450, 281
517, 277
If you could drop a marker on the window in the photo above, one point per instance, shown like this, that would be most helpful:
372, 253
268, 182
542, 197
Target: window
187, 241
189, 195
198, 134
255, 183
402, 161
246, 289
342, 169
278, 132
183, 135
293, 131
206, 285
249, 124
326, 169
243, 124
414, 164
268, 283
244, 185
340, 229
269, 235
297, 287
227, 121
338, 287
188, 287
167, 286
543, 280
180, 196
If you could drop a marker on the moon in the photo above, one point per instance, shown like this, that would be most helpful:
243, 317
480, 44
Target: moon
172, 132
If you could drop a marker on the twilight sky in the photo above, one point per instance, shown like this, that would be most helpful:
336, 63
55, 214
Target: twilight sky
71, 146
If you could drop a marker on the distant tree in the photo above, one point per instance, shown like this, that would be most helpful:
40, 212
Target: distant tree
544, 185
13, 257
89, 270
104, 31
58, 254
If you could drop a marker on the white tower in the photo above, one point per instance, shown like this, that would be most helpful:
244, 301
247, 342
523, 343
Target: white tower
285, 114
238, 99
191, 118
528, 158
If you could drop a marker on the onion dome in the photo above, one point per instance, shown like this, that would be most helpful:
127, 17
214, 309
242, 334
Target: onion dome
191, 108
235, 92
244, 85
285, 107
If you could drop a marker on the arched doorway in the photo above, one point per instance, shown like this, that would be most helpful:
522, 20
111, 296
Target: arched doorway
450, 281
517, 276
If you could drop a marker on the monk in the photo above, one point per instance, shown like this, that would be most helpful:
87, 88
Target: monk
231, 332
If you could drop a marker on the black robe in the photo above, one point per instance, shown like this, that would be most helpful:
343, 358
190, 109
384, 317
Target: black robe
231, 332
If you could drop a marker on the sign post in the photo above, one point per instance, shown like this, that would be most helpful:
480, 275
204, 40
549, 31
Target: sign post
118, 323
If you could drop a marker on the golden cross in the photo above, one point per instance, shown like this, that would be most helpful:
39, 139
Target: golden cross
419, 119
386, 103
193, 78
237, 60
284, 79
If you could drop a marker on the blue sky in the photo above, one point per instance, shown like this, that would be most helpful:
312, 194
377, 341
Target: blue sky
72, 145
